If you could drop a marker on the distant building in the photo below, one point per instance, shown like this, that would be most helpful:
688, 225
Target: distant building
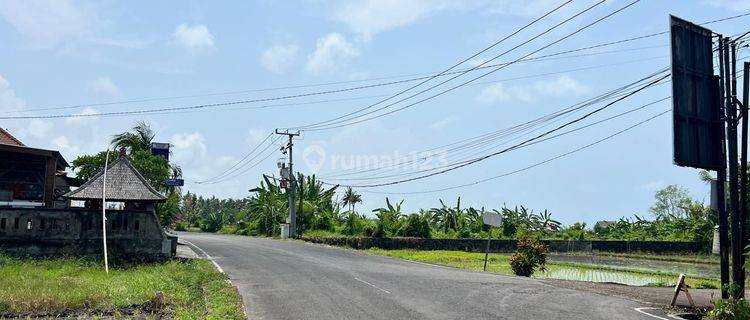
31, 177
133, 231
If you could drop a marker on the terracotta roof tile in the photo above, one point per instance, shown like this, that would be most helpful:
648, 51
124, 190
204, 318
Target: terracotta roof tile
7, 138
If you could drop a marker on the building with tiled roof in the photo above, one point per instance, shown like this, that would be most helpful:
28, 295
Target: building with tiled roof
7, 138
124, 183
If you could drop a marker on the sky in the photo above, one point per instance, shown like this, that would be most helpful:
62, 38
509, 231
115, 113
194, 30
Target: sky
77, 57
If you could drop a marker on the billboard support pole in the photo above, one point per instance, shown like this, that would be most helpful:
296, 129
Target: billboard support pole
738, 225
743, 158
731, 118
721, 178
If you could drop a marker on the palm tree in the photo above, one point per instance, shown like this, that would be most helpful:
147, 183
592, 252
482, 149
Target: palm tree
139, 139
351, 198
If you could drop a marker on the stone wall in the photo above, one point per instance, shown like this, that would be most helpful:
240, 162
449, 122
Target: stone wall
478, 245
59, 232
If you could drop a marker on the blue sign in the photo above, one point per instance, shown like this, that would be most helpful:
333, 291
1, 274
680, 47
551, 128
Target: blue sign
160, 149
175, 182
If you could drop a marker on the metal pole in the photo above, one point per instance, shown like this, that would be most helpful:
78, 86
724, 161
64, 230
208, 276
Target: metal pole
721, 177
738, 278
292, 216
487, 248
104, 212
743, 159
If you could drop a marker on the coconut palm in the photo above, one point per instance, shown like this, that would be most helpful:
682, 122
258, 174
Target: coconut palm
351, 198
139, 139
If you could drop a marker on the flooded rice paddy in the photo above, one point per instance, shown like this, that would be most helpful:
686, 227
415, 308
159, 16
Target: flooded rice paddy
630, 271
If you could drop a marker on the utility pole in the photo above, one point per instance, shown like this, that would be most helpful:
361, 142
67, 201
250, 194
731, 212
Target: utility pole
721, 177
292, 183
738, 277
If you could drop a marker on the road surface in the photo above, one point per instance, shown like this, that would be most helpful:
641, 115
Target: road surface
294, 280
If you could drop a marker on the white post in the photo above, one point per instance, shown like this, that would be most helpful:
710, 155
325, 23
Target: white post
104, 214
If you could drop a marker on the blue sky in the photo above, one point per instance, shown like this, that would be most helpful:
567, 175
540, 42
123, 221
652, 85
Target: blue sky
66, 53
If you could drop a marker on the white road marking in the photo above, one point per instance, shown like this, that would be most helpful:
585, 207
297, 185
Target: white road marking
218, 267
650, 315
372, 285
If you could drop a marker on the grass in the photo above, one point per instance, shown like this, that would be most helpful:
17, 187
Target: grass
192, 289
686, 258
498, 263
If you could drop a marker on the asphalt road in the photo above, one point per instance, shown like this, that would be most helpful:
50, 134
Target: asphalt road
294, 280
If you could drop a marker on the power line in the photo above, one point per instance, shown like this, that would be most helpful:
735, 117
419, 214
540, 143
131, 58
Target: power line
482, 158
238, 162
236, 171
333, 123
527, 167
302, 86
517, 31
478, 77
496, 134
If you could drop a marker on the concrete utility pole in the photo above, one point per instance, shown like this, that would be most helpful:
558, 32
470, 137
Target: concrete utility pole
292, 183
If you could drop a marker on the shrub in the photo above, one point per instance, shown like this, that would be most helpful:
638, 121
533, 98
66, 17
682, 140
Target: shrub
415, 226
180, 226
530, 256
732, 308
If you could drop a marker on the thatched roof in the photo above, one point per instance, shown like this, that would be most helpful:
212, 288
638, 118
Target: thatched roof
124, 183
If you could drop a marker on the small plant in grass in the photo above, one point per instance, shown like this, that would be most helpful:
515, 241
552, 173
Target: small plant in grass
732, 308
530, 256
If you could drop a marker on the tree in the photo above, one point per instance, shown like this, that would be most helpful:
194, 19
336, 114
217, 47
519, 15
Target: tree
155, 169
351, 198
671, 202
139, 139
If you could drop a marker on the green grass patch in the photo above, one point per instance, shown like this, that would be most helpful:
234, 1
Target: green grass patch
498, 263
192, 289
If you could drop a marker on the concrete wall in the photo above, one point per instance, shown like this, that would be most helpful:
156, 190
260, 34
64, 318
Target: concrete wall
478, 245
56, 232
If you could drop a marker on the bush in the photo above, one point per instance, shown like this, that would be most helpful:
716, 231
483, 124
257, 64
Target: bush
180, 226
415, 226
732, 308
530, 256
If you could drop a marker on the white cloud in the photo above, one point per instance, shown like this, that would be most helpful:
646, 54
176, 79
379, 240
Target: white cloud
521, 7
194, 37
62, 144
331, 51
8, 99
39, 128
87, 119
279, 58
443, 122
255, 136
734, 5
105, 85
563, 85
46, 22
189, 149
369, 17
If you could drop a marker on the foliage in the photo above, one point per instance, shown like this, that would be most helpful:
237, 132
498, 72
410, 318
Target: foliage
139, 139
154, 169
193, 288
415, 225
351, 198
730, 309
530, 256
672, 202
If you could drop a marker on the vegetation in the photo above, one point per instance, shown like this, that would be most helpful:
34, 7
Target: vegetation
676, 217
730, 309
530, 256
155, 169
500, 263
191, 289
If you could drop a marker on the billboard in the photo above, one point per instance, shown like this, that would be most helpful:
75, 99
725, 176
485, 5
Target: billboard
160, 149
698, 129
